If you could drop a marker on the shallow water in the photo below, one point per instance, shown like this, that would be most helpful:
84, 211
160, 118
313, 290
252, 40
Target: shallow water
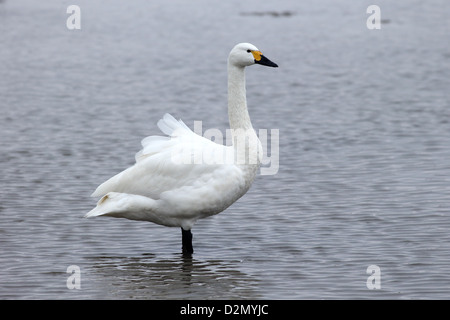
364, 174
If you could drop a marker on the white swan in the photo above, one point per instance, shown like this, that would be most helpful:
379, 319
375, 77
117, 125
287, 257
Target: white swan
162, 187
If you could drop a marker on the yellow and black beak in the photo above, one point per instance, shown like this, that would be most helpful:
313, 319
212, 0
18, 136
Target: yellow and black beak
262, 60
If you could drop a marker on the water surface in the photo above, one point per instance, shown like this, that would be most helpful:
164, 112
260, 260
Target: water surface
364, 176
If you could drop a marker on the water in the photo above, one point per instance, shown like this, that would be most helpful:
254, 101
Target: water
364, 176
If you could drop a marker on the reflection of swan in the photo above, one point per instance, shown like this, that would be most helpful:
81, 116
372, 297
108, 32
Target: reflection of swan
162, 189
169, 277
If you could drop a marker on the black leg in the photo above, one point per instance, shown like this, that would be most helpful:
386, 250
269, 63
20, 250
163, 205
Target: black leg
187, 241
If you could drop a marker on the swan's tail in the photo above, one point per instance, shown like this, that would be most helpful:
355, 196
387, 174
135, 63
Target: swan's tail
123, 205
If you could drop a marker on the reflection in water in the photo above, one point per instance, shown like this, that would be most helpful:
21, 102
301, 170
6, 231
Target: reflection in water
172, 277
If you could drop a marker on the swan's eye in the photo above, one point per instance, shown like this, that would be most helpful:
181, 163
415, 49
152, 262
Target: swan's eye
249, 50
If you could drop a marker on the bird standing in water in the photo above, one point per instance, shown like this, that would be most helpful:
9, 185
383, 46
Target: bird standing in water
168, 186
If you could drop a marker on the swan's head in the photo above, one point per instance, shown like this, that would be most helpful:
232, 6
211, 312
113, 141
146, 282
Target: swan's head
246, 54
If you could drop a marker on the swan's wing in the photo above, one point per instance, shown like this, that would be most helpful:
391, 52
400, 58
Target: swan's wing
181, 160
154, 144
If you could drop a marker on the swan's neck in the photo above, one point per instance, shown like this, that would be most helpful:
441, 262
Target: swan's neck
245, 141
237, 100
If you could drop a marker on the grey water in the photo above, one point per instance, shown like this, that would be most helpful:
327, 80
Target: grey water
364, 148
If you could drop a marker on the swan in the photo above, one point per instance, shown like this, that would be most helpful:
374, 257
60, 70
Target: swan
182, 177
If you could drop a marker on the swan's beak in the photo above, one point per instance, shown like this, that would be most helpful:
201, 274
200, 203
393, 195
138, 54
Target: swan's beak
262, 60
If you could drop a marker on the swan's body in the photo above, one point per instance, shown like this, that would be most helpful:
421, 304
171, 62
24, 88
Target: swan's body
179, 179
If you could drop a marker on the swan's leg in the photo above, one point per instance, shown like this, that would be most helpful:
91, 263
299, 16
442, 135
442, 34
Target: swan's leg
187, 241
